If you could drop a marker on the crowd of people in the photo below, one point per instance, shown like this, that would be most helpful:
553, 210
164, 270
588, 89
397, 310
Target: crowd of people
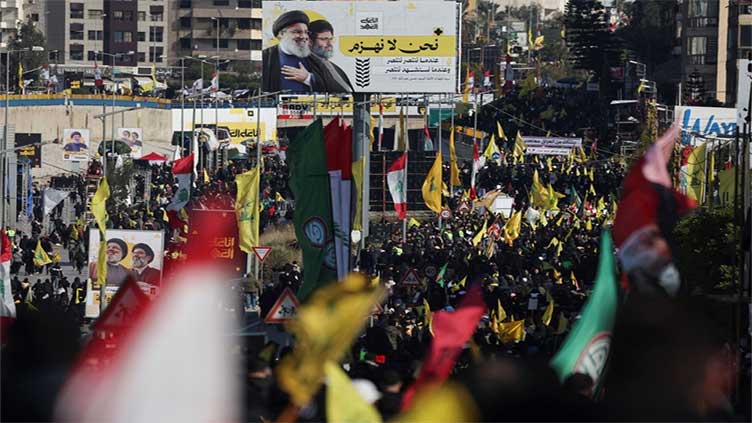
551, 259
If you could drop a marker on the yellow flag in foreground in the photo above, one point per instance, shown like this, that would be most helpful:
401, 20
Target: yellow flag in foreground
549, 313
448, 403
500, 131
432, 186
40, 256
343, 403
501, 314
324, 329
519, 146
247, 210
98, 208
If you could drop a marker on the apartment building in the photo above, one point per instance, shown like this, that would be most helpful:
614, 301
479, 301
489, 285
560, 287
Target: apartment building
230, 29
11, 15
714, 35
132, 30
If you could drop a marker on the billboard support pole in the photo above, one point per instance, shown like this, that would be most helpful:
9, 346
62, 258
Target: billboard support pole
360, 150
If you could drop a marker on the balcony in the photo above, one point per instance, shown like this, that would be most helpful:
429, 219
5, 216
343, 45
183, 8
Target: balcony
703, 22
200, 12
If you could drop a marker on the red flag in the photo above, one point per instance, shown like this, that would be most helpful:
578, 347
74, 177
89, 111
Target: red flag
451, 331
648, 209
338, 140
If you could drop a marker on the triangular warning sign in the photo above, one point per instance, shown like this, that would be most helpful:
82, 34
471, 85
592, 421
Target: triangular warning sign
411, 278
262, 252
124, 308
284, 309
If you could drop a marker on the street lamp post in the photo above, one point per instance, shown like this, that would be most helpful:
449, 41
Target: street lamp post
112, 57
3, 154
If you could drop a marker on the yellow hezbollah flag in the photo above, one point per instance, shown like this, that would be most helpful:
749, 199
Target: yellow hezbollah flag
98, 208
427, 316
513, 331
20, 76
519, 146
492, 149
549, 313
343, 403
40, 256
449, 402
501, 314
454, 170
206, 177
696, 173
401, 135
481, 233
432, 186
324, 330
278, 197
357, 176
247, 210
412, 222
500, 131
512, 227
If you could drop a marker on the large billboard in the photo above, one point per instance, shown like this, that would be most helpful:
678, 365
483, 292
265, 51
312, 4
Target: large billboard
76, 145
134, 137
32, 148
139, 254
360, 46
240, 122
705, 121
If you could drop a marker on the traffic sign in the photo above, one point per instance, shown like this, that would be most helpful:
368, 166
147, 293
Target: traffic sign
446, 214
284, 309
430, 271
262, 252
411, 278
464, 206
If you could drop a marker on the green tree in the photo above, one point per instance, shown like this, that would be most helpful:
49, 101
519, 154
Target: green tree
592, 46
26, 37
706, 242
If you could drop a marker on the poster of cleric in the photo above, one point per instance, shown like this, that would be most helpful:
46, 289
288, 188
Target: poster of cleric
359, 46
129, 253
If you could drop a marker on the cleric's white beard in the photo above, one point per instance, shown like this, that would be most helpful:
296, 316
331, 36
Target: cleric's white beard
289, 46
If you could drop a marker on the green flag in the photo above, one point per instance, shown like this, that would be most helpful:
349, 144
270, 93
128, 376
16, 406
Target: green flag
586, 348
309, 182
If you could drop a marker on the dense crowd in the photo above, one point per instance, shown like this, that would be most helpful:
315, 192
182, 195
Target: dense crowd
553, 258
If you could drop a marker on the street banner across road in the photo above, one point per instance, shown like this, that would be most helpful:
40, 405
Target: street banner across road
551, 146
375, 46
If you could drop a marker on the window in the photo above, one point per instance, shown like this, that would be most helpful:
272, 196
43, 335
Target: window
244, 23
123, 37
221, 2
95, 14
91, 56
697, 46
155, 34
185, 22
255, 44
699, 8
244, 44
141, 36
118, 15
156, 17
185, 4
223, 43
94, 35
77, 12
245, 4
185, 43
155, 54
35, 17
141, 16
76, 31
745, 36
76, 51
141, 57
156, 13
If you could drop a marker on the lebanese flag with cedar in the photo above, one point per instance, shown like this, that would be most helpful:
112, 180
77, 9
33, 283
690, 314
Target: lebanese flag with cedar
395, 177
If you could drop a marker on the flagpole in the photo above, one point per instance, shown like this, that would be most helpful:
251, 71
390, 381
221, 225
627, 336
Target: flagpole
451, 129
406, 140
475, 122
365, 181
182, 103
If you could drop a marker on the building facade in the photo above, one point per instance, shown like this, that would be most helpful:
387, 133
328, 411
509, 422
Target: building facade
230, 29
714, 35
134, 31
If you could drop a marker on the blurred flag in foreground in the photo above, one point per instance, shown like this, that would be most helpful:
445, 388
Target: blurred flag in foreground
587, 347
